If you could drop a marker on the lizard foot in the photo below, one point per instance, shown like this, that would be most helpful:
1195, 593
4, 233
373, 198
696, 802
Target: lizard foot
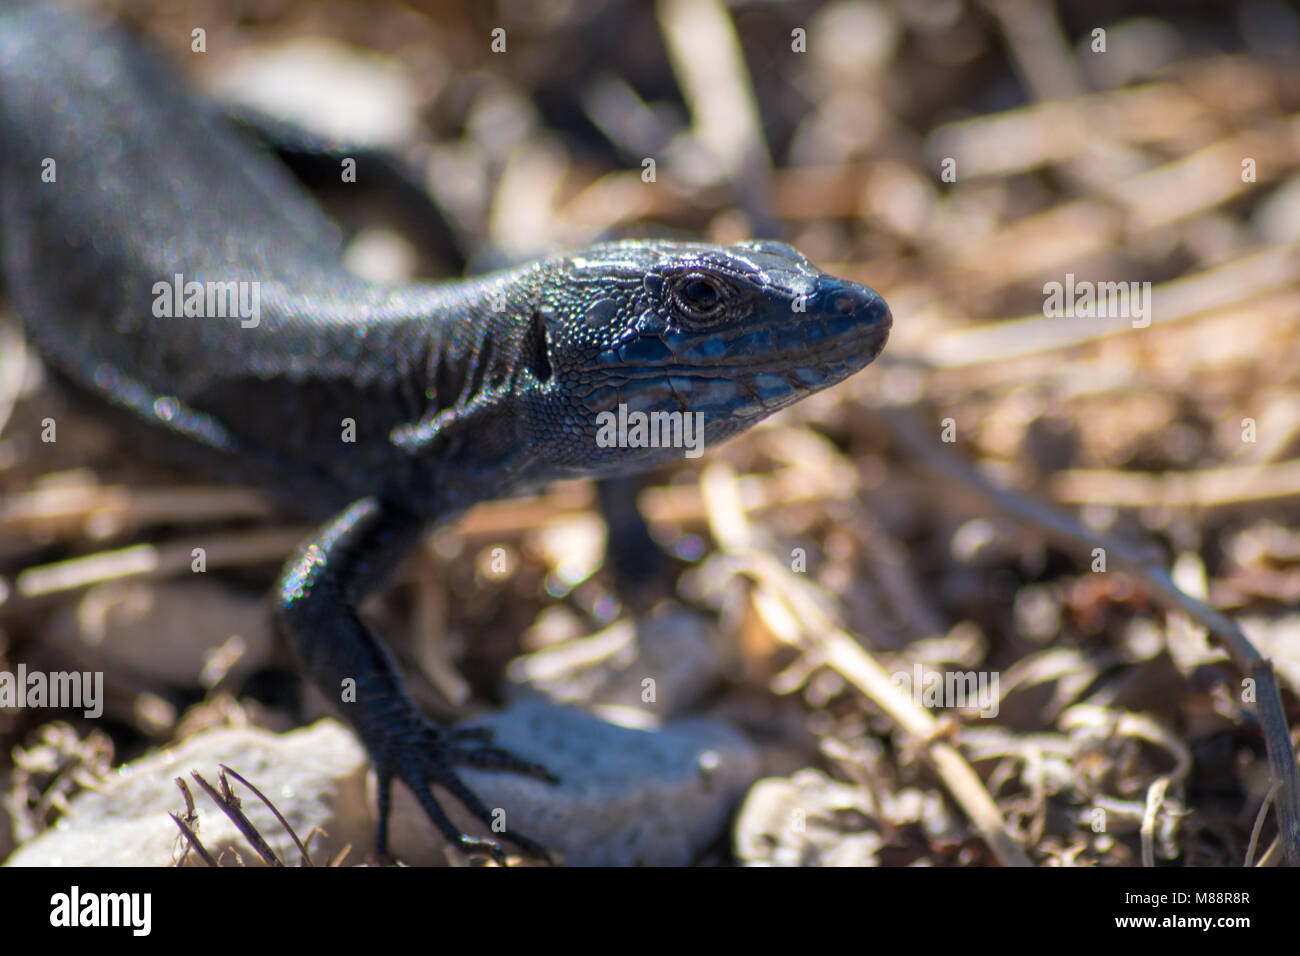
426, 754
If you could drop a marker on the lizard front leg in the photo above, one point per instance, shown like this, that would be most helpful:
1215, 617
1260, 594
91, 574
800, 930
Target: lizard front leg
317, 597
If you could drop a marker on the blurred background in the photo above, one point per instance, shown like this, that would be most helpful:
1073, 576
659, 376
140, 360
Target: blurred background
957, 156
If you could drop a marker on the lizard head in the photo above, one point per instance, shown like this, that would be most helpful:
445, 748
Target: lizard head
638, 344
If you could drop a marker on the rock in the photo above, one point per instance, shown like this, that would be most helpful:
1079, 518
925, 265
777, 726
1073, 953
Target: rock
315, 777
625, 796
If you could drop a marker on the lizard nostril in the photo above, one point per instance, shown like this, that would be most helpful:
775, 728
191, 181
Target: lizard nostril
844, 304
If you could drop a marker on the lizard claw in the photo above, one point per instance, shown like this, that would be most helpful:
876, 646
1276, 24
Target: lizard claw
425, 755
498, 758
457, 734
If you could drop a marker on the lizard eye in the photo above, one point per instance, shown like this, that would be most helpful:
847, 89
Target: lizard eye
700, 297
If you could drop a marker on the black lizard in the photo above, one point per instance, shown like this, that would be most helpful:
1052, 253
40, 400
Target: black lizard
119, 188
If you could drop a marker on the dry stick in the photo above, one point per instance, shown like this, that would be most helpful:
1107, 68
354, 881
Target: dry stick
68, 509
1155, 798
1073, 535
302, 849
1271, 855
229, 804
709, 65
1015, 141
1206, 488
1039, 49
192, 839
13, 363
826, 643
158, 561
191, 817
1259, 823
1187, 297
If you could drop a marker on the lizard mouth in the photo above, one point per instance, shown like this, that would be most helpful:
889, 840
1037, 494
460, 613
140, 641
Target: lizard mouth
820, 344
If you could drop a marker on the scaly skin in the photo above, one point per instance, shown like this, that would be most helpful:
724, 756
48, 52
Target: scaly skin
456, 391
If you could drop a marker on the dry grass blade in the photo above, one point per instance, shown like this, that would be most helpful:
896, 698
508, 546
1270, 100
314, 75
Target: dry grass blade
230, 806
302, 848
193, 842
143, 560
